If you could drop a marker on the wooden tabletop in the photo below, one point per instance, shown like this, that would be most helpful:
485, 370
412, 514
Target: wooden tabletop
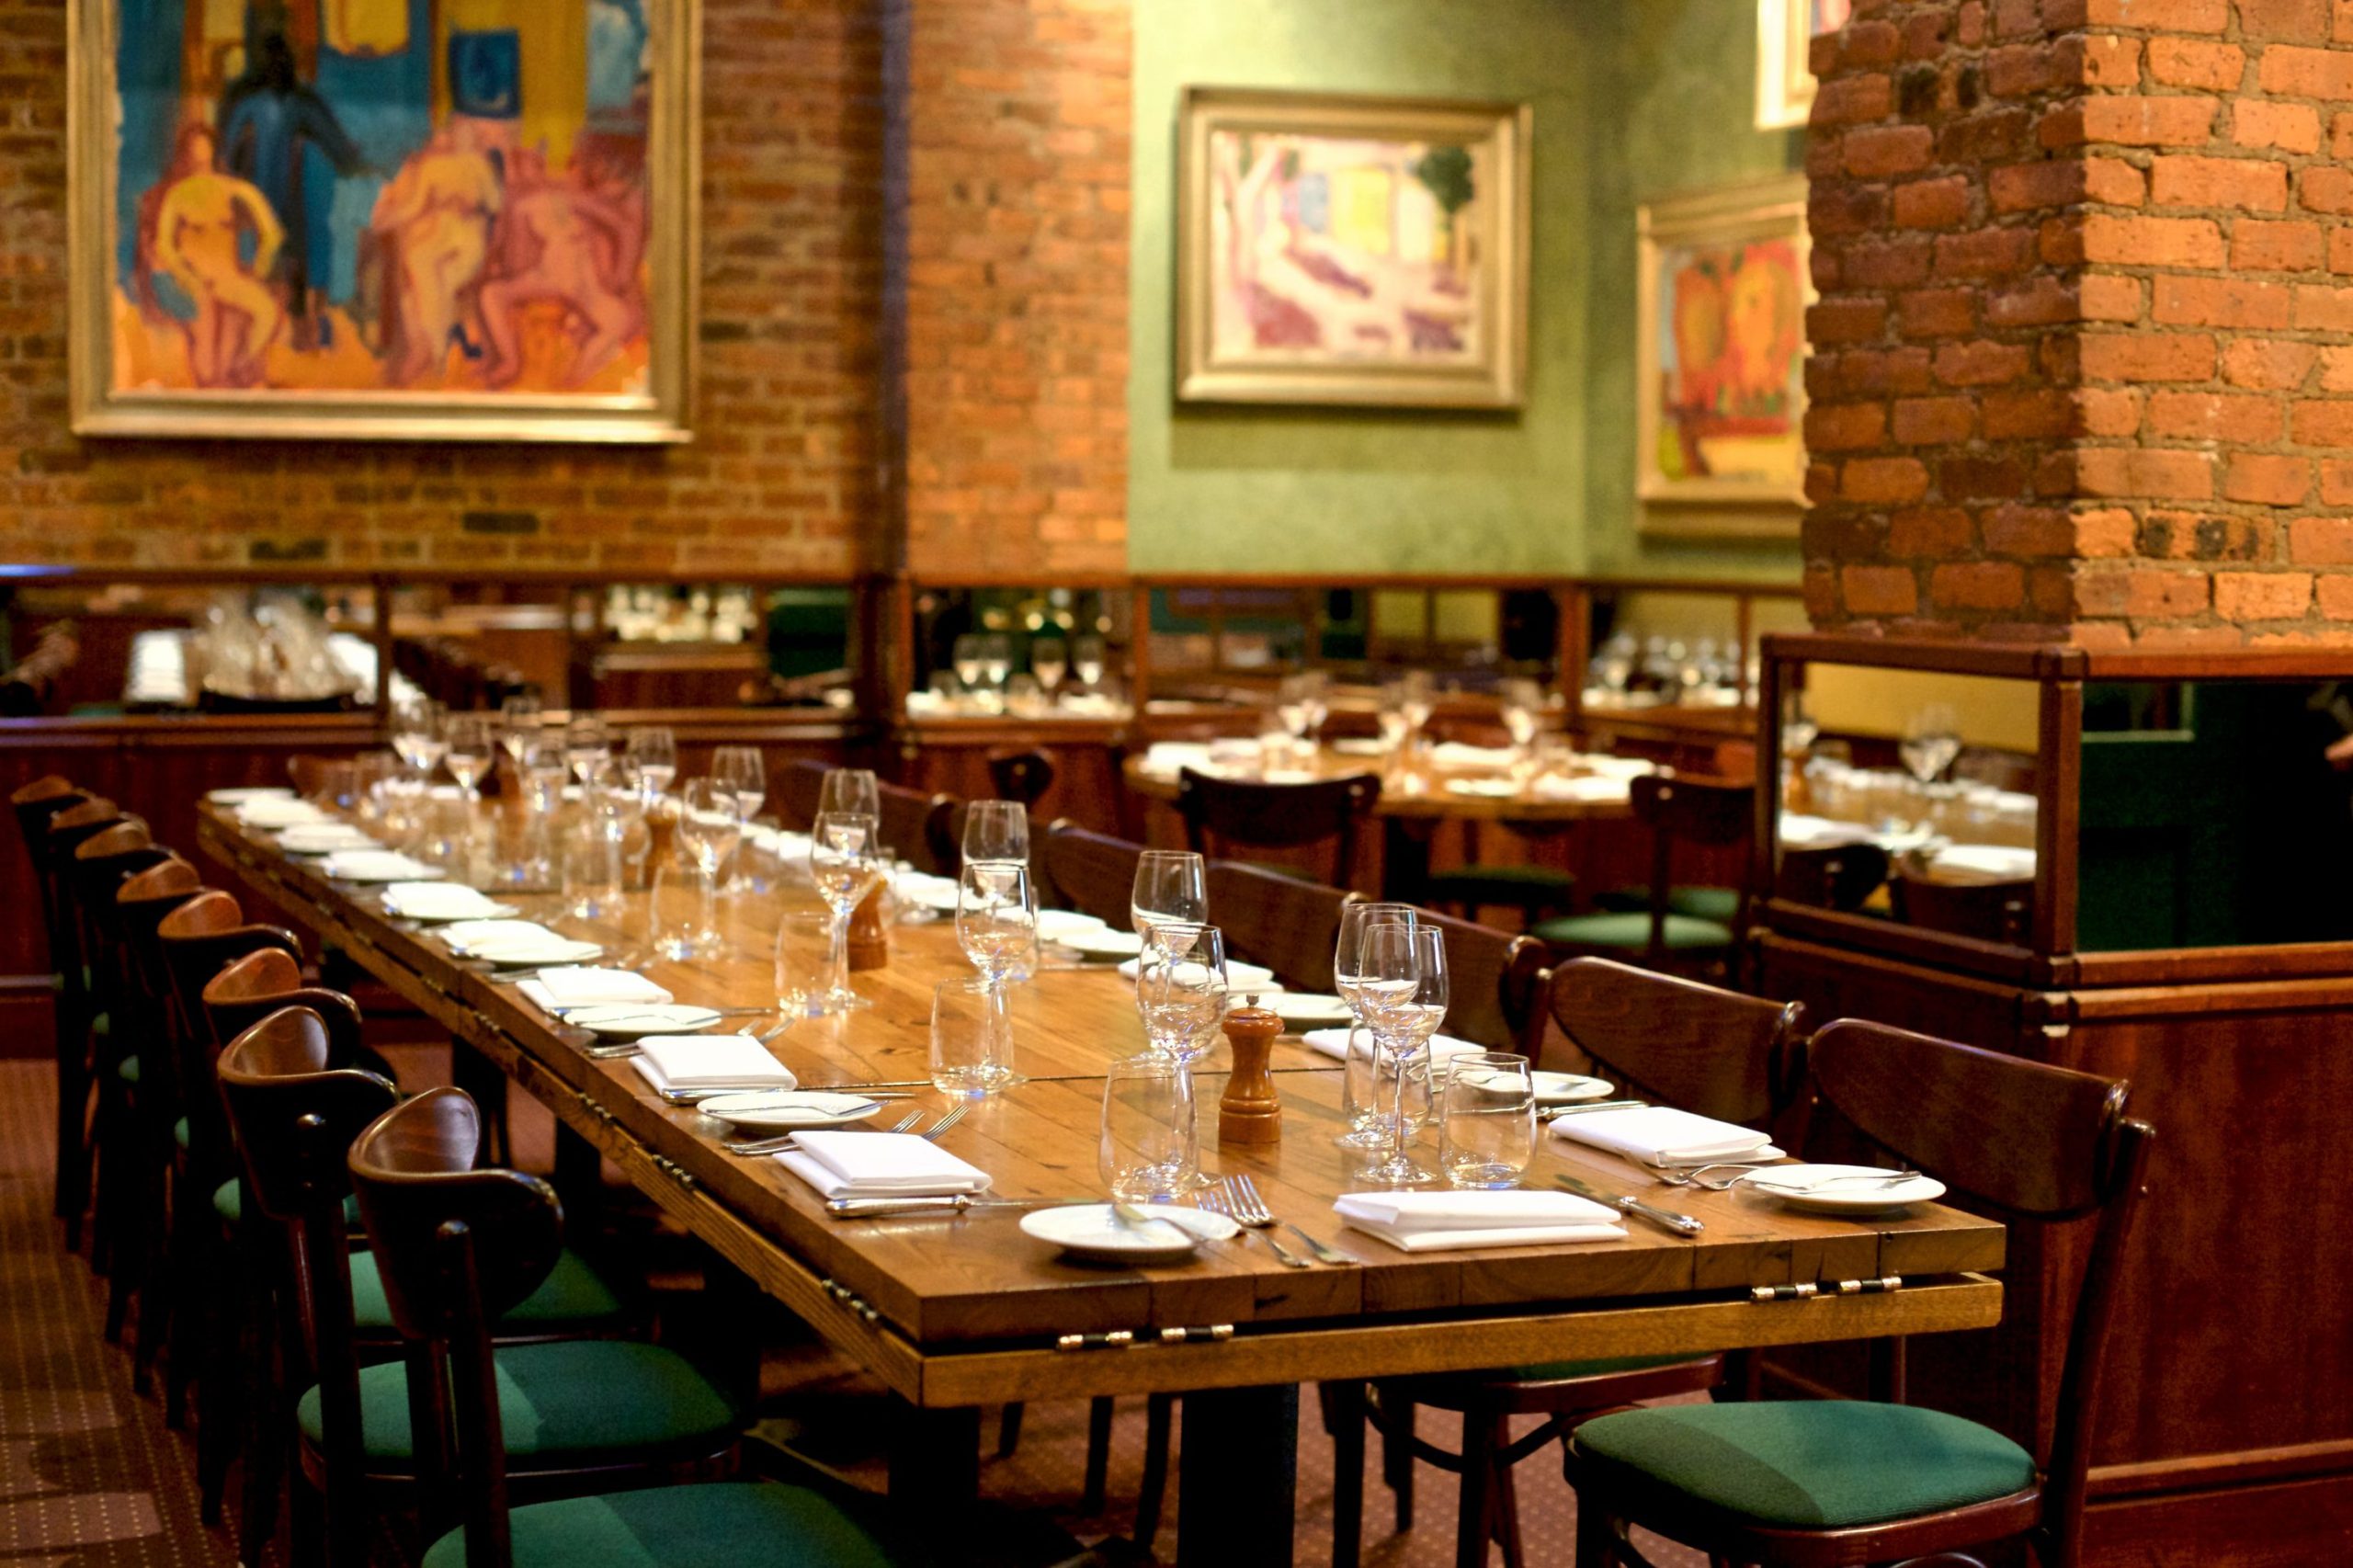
1420, 793
955, 1311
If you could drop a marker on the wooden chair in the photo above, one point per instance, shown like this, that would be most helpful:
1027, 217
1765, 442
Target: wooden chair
1225, 815
1285, 925
1497, 986
1714, 1052
1831, 876
1023, 776
1091, 872
1986, 912
1694, 810
458, 1246
1802, 1483
798, 789
915, 827
140, 904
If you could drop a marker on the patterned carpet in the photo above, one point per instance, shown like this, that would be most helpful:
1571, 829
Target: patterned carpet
90, 1477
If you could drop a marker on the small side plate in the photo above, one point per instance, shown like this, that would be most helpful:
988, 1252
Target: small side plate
787, 1110
1842, 1189
1569, 1088
1092, 1231
635, 1020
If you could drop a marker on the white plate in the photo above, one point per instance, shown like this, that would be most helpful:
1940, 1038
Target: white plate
1354, 745
1101, 943
456, 903
782, 1111
1307, 1007
244, 792
516, 952
634, 1020
1820, 1189
382, 866
1058, 925
1089, 1231
323, 838
1568, 1088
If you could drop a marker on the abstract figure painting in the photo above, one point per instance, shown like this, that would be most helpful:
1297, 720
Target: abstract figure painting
1785, 33
1721, 357
1341, 250
412, 219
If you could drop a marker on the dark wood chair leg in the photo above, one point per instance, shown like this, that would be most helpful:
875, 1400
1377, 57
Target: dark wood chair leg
231, 1355
1151, 1493
197, 1258
1100, 1411
266, 1428
159, 1282
1008, 1432
1344, 1418
1597, 1546
1504, 1508
1471, 1523
1397, 1459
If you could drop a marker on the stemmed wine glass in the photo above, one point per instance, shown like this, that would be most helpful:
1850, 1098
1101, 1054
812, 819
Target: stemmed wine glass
1416, 702
708, 830
1049, 657
1931, 741
469, 748
417, 738
846, 862
1181, 986
849, 792
1366, 1128
649, 761
589, 747
741, 770
996, 925
967, 656
519, 725
996, 832
1404, 983
997, 662
1087, 661
1523, 709
1171, 888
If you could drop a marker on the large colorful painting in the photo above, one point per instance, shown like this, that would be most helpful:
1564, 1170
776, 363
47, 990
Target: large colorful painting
1721, 320
419, 219
1785, 33
1339, 250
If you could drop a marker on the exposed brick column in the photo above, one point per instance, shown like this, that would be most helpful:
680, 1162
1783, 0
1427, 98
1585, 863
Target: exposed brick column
2083, 305
1015, 278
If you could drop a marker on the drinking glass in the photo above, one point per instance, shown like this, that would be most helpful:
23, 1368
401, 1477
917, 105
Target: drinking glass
971, 1038
469, 749
967, 657
709, 831
1368, 1127
996, 918
540, 768
1292, 708
1523, 709
847, 864
996, 831
589, 747
996, 661
741, 769
597, 857
1151, 1149
804, 941
1931, 741
1415, 701
649, 760
1486, 1119
1049, 657
519, 725
1171, 885
416, 736
1404, 986
849, 792
1087, 661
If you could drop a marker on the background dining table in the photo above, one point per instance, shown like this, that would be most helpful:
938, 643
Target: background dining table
953, 1313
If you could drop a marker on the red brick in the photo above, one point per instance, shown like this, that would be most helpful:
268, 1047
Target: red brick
2115, 182
1880, 151
2337, 481
2299, 21
2321, 541
2148, 122
1978, 584
2340, 250
1839, 428
2194, 535
1853, 100
2160, 15
2047, 182
1987, 253
2260, 246
2293, 127
1980, 364
1892, 479
2337, 370
2340, 135
1932, 203
2262, 596
2100, 61
2105, 532
2152, 242
2336, 597
1891, 370
2152, 594
2105, 297
1935, 532
2160, 474
2238, 417
1845, 320
2271, 363
2147, 357
2305, 72
1937, 313
2107, 411
1878, 590
2192, 63
1934, 421
2325, 190
2322, 422
2027, 415
2266, 478
2217, 302
2248, 184
2029, 531
2320, 308
2022, 70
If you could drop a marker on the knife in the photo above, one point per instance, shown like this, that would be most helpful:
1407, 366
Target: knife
1665, 1219
1553, 1113
883, 1208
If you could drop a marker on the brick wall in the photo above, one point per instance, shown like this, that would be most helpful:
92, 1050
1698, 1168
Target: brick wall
2087, 279
1016, 285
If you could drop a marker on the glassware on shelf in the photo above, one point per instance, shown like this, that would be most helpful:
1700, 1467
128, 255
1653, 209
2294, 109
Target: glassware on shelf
1049, 658
1087, 661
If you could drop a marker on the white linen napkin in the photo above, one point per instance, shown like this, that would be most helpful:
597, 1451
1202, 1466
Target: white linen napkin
1333, 1043
580, 985
880, 1164
324, 837
1484, 789
1238, 976
437, 901
709, 1061
1166, 759
1618, 768
1660, 1135
378, 866
238, 795
1983, 863
1427, 1221
1588, 787
280, 811
465, 935
1460, 753
1800, 831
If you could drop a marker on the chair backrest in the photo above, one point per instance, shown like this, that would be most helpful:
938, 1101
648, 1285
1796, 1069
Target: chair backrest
2032, 1142
1702, 1047
92, 877
1224, 814
1697, 811
1091, 872
1285, 924
914, 826
1988, 912
798, 789
1494, 984
139, 906
169, 878
249, 988
197, 939
1023, 776
36, 805
1831, 876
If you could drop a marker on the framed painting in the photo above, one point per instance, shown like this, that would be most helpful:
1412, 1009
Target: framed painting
422, 219
1785, 31
1338, 249
1720, 402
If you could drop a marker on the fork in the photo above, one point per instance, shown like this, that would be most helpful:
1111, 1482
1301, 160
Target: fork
1211, 1201
1251, 1209
1248, 1210
779, 1144
1725, 1184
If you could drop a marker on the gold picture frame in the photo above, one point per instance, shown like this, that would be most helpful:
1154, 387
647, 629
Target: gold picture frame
1785, 33
1720, 360
605, 176
1350, 249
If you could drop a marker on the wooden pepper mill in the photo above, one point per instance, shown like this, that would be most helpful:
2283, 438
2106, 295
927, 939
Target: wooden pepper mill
1249, 1112
870, 939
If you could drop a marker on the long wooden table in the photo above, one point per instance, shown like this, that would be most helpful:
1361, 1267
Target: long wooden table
952, 1313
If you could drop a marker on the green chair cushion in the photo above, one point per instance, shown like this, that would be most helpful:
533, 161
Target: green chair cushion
102, 1025
1511, 885
228, 1203
1631, 932
1803, 1464
571, 1296
572, 1403
688, 1526
126, 1069
180, 1133
1719, 904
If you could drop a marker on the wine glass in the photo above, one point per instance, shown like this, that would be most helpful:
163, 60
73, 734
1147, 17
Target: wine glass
1416, 703
849, 792
519, 725
1523, 709
1181, 989
1403, 982
997, 923
469, 748
996, 661
996, 831
709, 827
1931, 741
417, 738
967, 658
1171, 886
649, 760
1087, 661
846, 862
1150, 1145
741, 769
1366, 1126
589, 747
1049, 657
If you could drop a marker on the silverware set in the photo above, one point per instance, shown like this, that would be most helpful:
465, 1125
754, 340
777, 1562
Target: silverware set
1744, 1170
1237, 1198
778, 1145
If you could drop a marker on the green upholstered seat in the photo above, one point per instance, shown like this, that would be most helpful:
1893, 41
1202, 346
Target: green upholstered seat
1631, 932
229, 1204
740, 1524
180, 1133
1719, 904
575, 1402
126, 1069
571, 1296
1801, 1464
1506, 887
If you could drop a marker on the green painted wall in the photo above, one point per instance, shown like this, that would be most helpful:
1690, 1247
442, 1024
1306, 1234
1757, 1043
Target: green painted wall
1631, 98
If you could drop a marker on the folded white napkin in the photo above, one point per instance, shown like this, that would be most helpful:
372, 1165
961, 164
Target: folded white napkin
1660, 1135
880, 1164
1426, 1222
378, 866
1485, 788
464, 935
1801, 832
581, 985
1618, 768
323, 838
437, 901
1167, 758
1458, 753
1583, 787
280, 811
1333, 1043
1053, 925
711, 1062
242, 794
1238, 976
1983, 863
